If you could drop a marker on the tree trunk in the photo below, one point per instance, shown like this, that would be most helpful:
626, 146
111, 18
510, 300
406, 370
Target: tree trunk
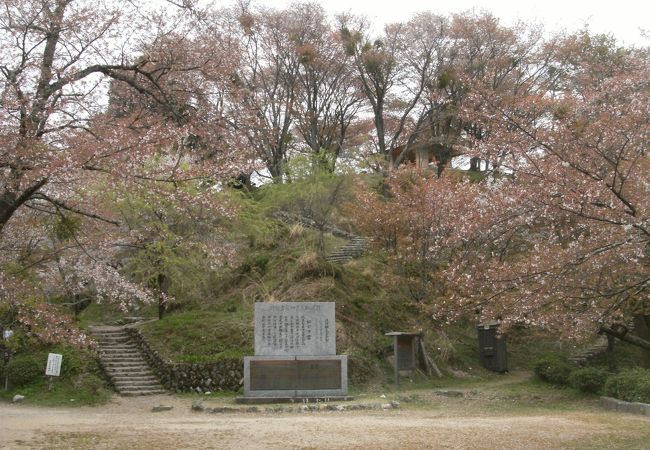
611, 357
624, 336
11, 201
163, 286
642, 329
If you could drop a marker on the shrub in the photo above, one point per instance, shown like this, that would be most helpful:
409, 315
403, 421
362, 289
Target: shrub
553, 369
588, 379
631, 385
25, 368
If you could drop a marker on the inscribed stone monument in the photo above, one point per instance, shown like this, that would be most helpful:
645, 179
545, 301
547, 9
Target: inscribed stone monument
295, 352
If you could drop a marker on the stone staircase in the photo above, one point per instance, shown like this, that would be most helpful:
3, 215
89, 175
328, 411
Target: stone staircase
355, 247
581, 357
124, 364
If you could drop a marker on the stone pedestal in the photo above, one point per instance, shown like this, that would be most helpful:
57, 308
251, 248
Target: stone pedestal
300, 376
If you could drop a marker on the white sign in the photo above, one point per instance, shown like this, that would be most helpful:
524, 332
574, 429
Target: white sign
53, 364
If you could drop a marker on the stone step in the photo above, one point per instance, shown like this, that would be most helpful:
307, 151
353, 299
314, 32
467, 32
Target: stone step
120, 346
123, 385
119, 351
136, 372
127, 366
128, 363
346, 252
110, 335
124, 364
133, 393
111, 350
142, 373
136, 378
112, 342
120, 357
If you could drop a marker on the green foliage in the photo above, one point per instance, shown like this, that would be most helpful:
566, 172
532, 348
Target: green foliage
253, 224
28, 365
632, 385
445, 78
588, 379
80, 375
66, 227
202, 335
27, 368
313, 194
554, 369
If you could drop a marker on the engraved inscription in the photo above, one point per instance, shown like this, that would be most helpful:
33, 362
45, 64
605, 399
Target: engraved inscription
295, 329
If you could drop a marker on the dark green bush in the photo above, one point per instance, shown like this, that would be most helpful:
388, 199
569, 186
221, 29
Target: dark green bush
26, 368
588, 379
632, 385
553, 369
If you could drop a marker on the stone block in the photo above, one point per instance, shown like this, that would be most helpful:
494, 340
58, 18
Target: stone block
295, 329
609, 403
300, 376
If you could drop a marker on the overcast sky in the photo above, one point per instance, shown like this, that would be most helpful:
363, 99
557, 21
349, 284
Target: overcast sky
621, 18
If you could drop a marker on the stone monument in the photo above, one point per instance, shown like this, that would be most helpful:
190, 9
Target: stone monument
295, 354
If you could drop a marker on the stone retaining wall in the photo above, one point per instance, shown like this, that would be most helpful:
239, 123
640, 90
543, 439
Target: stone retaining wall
622, 406
225, 375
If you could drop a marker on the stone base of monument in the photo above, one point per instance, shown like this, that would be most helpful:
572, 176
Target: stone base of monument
295, 378
270, 400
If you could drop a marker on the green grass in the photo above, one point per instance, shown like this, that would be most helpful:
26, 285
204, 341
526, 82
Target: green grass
64, 392
202, 335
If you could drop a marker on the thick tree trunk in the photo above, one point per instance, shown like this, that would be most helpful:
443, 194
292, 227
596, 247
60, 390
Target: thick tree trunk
163, 287
642, 329
611, 357
11, 201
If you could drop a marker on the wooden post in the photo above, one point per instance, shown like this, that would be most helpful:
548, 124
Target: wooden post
396, 362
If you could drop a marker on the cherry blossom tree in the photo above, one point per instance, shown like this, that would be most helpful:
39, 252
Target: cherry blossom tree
163, 130
567, 230
558, 236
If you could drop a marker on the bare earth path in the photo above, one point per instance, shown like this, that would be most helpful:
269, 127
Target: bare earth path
128, 423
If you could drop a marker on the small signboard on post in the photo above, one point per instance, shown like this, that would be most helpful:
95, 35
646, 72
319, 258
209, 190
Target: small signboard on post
53, 368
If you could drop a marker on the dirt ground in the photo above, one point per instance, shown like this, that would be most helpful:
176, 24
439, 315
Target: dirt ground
129, 423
